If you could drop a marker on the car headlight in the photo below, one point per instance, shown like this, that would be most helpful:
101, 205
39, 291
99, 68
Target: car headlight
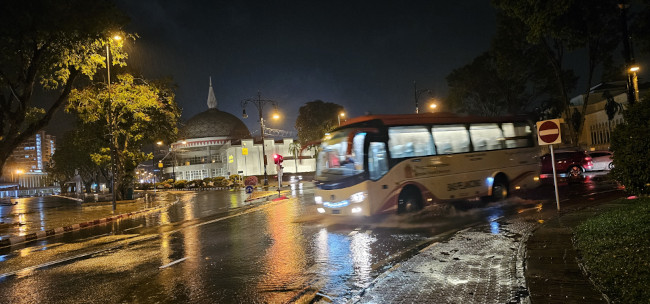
358, 197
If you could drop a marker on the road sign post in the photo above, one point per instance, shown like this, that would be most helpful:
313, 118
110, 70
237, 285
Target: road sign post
548, 133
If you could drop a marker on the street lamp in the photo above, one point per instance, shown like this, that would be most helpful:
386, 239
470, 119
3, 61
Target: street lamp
635, 81
433, 106
338, 117
259, 104
417, 94
110, 108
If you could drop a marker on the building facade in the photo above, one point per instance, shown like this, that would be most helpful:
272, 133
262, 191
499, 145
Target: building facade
216, 143
26, 167
596, 132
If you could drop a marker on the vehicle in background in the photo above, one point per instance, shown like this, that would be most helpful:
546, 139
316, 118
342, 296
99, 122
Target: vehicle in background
602, 160
570, 164
401, 163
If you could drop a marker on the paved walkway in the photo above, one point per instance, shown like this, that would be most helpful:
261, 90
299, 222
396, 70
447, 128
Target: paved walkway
529, 259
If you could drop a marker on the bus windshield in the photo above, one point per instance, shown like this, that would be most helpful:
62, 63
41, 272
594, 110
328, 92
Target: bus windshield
334, 161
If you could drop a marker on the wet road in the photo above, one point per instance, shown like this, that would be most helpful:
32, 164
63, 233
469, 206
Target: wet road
212, 247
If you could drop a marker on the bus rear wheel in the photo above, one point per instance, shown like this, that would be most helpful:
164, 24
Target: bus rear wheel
500, 190
409, 200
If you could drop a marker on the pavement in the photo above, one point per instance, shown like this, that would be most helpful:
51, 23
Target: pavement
522, 259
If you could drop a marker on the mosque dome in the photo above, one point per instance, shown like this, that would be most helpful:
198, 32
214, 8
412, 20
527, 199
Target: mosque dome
214, 123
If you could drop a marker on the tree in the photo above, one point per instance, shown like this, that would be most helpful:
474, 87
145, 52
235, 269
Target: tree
315, 119
73, 156
294, 149
136, 114
509, 78
47, 45
568, 25
630, 144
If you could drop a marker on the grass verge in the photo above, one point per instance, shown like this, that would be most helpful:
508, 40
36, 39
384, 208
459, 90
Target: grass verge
615, 248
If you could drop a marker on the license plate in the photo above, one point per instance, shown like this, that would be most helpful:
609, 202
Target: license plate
336, 211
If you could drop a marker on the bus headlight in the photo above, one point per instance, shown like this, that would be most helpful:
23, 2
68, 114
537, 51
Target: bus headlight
356, 209
358, 197
320, 210
318, 199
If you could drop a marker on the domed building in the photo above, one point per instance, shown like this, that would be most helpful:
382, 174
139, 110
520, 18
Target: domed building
216, 143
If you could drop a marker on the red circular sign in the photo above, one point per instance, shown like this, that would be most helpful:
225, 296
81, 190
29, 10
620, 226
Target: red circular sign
549, 132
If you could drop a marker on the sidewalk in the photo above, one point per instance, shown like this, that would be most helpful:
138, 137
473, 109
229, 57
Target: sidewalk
32, 219
529, 259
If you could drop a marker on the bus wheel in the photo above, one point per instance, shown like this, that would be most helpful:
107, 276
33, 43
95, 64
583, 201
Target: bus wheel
500, 189
409, 200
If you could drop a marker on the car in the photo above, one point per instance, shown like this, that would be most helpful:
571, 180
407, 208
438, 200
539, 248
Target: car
602, 160
571, 164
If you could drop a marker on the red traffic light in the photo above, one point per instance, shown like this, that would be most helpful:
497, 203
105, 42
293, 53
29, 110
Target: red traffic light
277, 159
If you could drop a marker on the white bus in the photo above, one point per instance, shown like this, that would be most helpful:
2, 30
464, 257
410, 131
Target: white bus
400, 163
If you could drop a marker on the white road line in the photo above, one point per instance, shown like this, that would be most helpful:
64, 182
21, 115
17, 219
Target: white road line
172, 263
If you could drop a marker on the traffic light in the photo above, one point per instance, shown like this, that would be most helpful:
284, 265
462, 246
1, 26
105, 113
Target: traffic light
277, 159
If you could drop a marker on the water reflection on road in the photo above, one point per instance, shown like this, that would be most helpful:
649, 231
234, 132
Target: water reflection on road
213, 246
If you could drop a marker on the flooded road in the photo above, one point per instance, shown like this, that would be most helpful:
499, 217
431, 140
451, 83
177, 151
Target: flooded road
213, 247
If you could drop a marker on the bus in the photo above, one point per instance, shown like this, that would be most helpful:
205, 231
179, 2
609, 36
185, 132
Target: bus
401, 163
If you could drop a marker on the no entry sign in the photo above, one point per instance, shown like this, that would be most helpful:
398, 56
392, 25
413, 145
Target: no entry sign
548, 132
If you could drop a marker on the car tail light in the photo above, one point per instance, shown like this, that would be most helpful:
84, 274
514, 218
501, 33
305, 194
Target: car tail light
588, 158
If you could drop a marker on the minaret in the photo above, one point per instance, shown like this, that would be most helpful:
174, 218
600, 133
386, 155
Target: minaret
212, 101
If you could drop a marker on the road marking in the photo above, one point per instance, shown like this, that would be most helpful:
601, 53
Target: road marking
172, 263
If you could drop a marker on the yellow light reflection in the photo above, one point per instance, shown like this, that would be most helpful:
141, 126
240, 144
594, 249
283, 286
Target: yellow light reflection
285, 259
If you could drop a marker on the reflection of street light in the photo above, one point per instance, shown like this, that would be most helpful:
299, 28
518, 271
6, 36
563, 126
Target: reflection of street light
338, 117
259, 104
417, 94
110, 107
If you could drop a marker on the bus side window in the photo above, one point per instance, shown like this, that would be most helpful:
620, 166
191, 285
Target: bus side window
517, 135
451, 138
377, 160
486, 136
409, 141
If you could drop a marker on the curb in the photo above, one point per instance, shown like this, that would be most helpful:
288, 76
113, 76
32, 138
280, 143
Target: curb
15, 240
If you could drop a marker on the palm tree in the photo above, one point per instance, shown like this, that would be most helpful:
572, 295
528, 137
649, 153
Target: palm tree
611, 108
294, 149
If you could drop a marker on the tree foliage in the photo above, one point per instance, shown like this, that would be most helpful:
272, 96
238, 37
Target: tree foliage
630, 144
557, 27
315, 119
73, 156
137, 114
48, 44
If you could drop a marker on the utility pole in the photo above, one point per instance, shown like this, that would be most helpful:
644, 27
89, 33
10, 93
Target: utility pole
259, 104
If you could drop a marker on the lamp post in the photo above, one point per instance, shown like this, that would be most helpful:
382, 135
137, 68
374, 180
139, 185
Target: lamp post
110, 119
635, 81
417, 94
153, 164
259, 104
338, 117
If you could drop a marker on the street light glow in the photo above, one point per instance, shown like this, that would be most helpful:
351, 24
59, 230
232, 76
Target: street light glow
117, 37
634, 68
276, 115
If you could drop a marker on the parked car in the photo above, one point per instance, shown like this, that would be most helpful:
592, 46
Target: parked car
602, 160
571, 164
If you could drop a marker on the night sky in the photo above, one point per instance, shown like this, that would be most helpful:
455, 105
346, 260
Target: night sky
363, 55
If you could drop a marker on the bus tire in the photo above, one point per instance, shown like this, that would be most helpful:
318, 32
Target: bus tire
409, 200
500, 189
